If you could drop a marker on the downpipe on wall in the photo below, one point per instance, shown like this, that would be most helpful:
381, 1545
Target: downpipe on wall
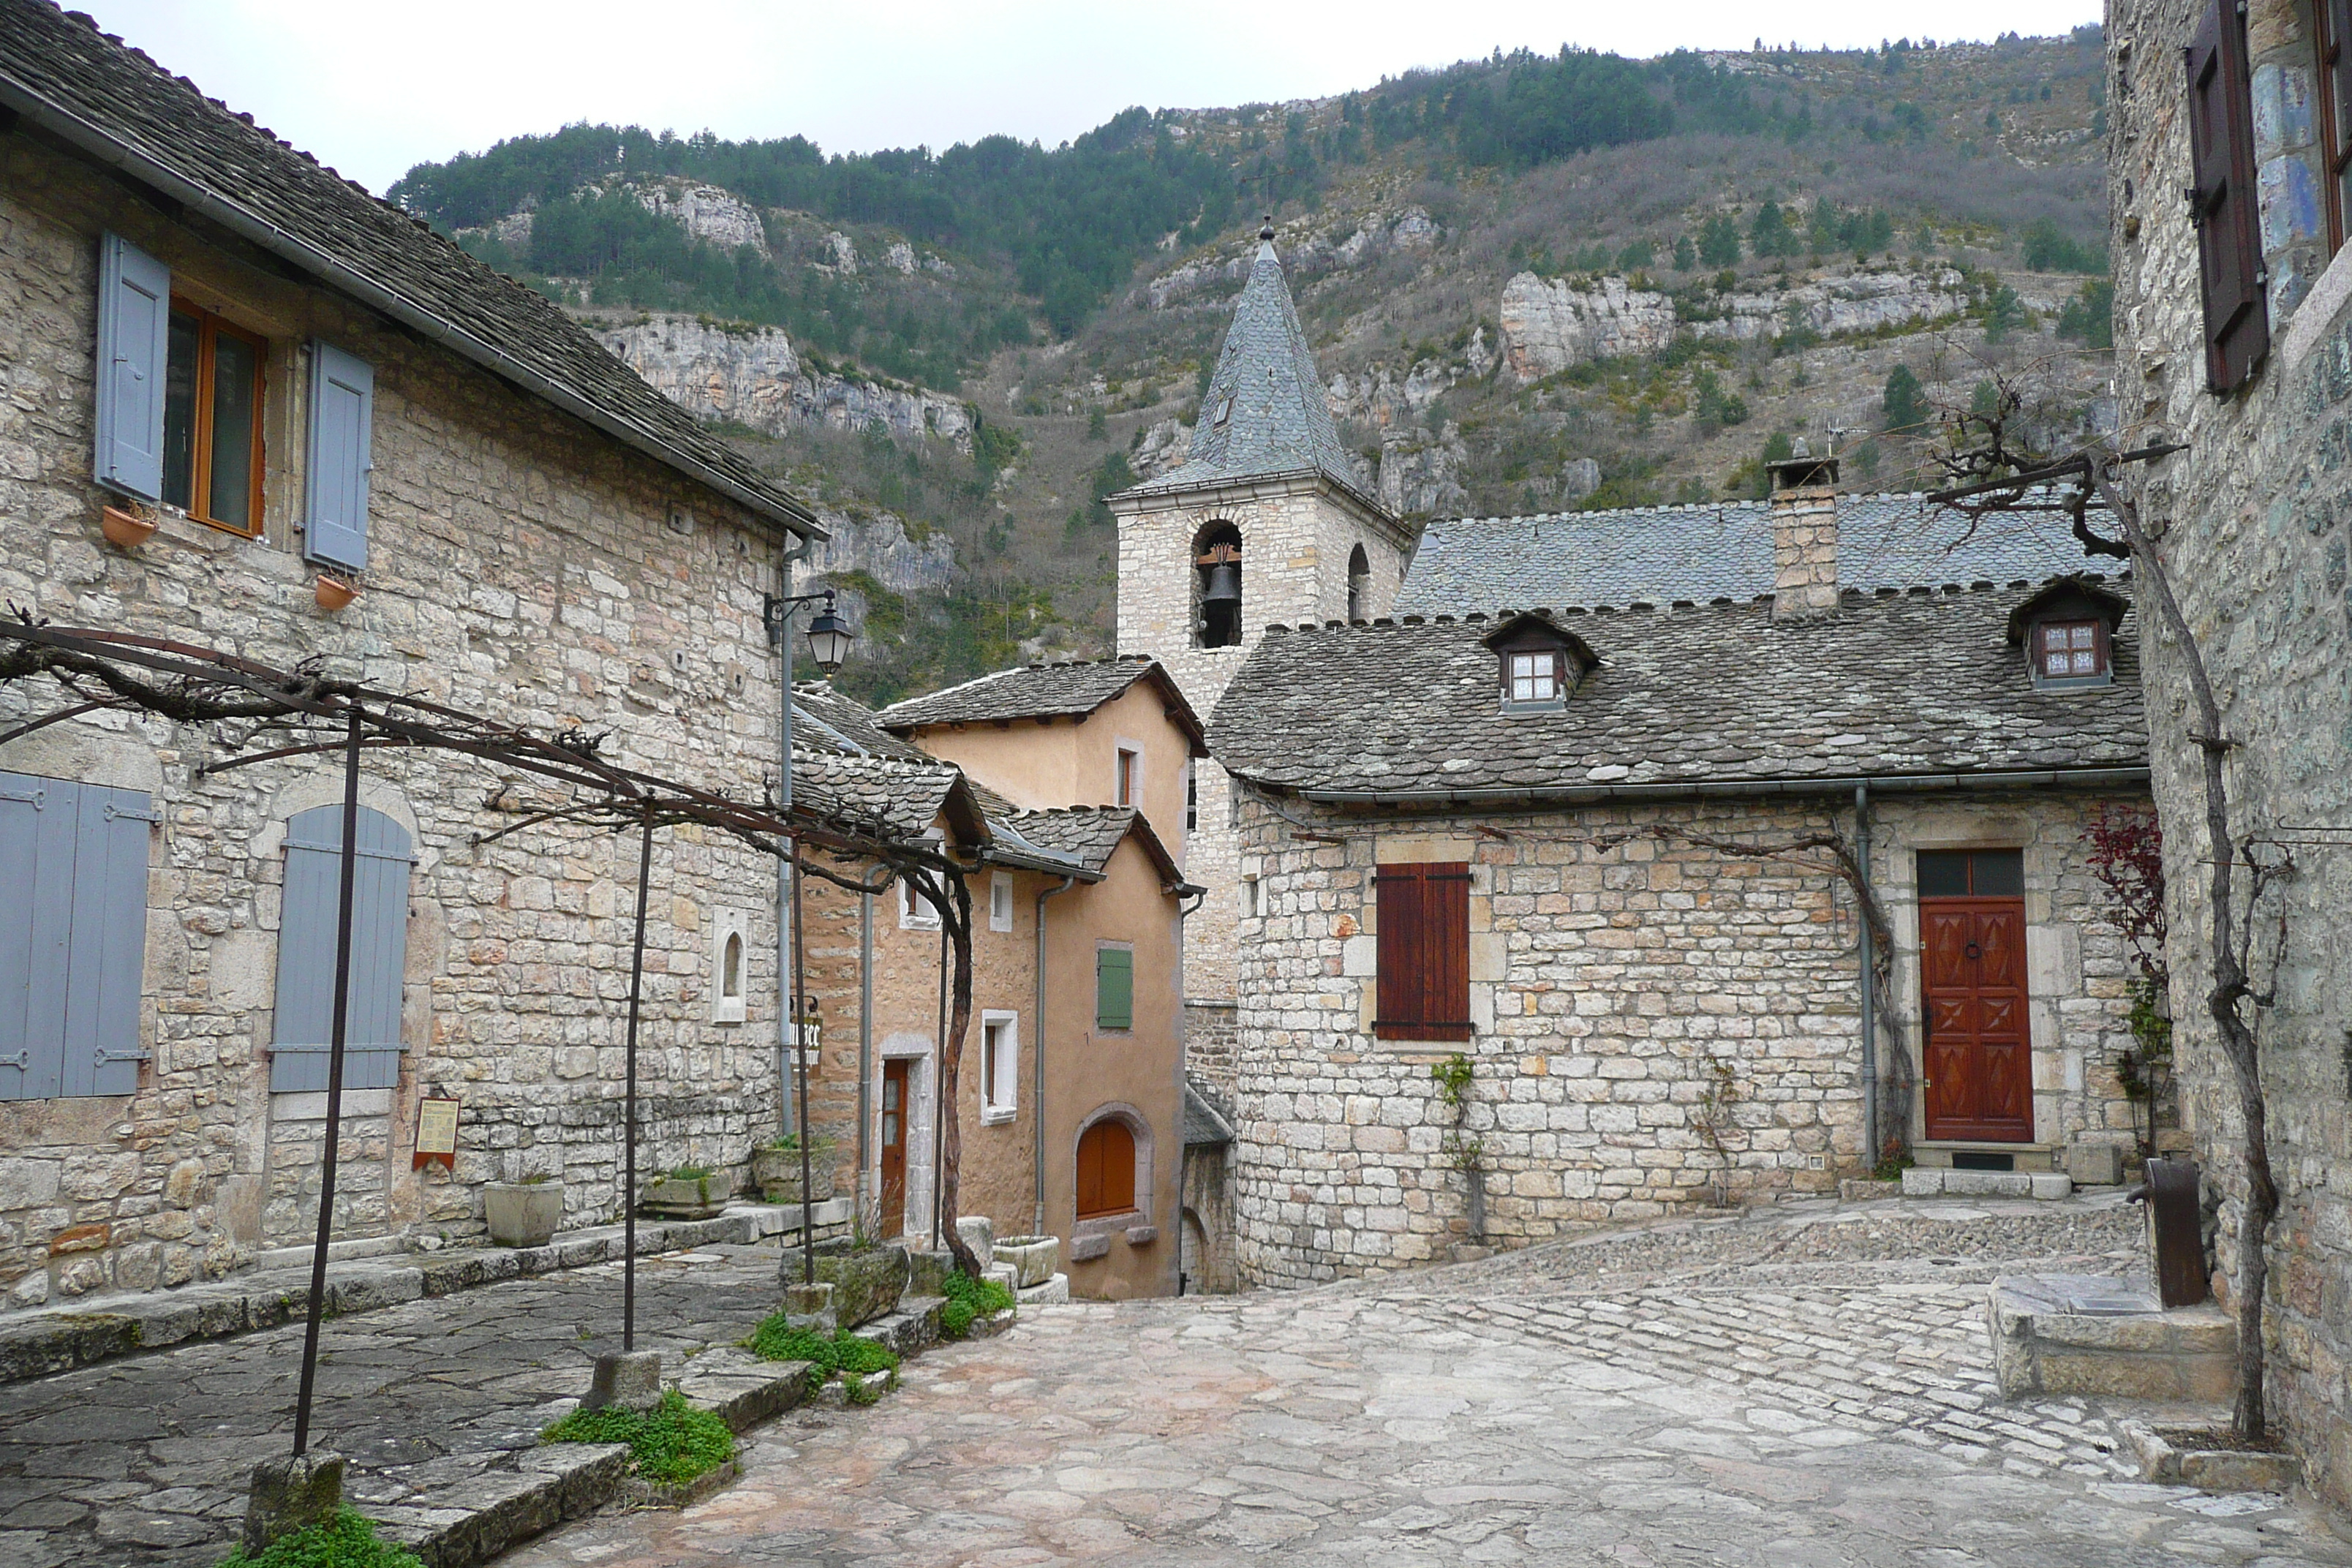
1038, 1226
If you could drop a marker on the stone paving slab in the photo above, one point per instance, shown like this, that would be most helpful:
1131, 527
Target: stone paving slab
436, 1403
1803, 1389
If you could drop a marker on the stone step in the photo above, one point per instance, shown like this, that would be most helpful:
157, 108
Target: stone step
1942, 1181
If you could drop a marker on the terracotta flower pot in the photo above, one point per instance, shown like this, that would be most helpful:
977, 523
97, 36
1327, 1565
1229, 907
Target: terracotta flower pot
123, 529
332, 592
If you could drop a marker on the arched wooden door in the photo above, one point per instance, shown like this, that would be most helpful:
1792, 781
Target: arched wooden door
1979, 1047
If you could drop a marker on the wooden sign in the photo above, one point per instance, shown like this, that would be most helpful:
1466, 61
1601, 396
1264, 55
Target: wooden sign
437, 1134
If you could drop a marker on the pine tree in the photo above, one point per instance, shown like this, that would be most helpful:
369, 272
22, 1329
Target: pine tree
1719, 242
1685, 254
1906, 401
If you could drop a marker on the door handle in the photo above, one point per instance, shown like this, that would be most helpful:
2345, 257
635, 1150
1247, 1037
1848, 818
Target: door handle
1974, 951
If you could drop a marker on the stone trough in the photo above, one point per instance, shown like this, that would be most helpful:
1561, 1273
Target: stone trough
2076, 1333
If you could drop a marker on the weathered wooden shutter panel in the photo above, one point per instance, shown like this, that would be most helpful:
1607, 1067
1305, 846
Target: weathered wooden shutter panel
135, 330
73, 939
301, 1051
343, 412
1114, 988
1423, 951
2340, 39
2228, 231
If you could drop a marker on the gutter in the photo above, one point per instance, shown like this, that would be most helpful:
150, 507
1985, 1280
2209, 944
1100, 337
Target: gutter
1869, 983
1038, 1228
95, 144
1579, 795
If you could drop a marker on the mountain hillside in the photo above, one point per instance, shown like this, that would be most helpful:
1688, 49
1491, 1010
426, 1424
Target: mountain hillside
1533, 282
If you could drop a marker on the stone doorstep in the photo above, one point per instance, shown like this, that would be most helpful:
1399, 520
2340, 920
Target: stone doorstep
35, 1344
1941, 1181
2209, 1469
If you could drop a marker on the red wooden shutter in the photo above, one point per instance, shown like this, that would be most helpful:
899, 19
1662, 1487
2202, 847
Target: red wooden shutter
1106, 1170
1423, 951
2222, 199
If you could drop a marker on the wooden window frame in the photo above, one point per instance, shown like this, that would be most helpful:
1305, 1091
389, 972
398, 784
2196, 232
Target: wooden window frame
210, 325
1127, 779
1423, 951
2332, 48
2102, 653
1555, 696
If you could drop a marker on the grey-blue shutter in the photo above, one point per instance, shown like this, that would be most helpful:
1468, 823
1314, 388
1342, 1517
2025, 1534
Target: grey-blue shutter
134, 333
73, 943
299, 1055
342, 411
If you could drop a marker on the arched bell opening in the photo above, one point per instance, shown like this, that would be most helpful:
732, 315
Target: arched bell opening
1217, 586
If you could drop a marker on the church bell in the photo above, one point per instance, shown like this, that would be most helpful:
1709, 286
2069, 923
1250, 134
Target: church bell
1223, 585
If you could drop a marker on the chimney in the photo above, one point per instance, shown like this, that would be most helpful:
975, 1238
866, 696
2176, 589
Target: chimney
1804, 535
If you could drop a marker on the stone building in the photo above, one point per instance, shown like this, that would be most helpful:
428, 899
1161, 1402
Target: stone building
1075, 1044
2234, 338
1588, 856
308, 396
1263, 523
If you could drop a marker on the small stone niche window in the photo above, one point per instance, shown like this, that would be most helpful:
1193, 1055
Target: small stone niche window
730, 967
1541, 663
2068, 632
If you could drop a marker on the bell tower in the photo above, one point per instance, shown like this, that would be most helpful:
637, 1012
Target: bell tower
1263, 523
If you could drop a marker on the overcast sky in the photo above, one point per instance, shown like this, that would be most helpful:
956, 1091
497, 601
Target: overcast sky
372, 88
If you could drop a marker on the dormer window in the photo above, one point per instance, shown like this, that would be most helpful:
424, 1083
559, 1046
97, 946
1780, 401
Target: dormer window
2070, 650
1541, 663
2067, 630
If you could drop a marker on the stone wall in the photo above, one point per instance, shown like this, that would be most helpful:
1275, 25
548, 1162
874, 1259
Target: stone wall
2251, 520
1610, 987
522, 566
1212, 1047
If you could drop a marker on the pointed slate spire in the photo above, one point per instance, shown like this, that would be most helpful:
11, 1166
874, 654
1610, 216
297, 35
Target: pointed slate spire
1265, 413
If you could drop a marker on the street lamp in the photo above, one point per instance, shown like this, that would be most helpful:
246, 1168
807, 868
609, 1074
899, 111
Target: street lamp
829, 638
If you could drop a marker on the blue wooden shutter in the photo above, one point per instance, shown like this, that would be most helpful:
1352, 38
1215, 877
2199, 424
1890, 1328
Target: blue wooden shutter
73, 938
299, 1055
134, 331
1114, 988
343, 412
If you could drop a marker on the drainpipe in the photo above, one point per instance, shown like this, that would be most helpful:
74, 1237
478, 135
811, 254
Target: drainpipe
786, 1025
865, 1045
1038, 1029
1869, 984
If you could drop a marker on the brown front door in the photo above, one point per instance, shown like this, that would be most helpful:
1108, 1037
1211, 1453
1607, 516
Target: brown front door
1979, 1052
893, 1147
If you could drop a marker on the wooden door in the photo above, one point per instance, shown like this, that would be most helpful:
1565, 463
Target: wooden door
893, 1147
1980, 1053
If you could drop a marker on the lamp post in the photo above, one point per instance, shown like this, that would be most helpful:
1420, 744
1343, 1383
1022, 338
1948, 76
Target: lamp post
829, 638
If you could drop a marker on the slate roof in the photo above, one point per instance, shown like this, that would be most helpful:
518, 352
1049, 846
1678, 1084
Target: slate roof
1279, 422
1091, 834
1203, 1123
824, 720
1041, 690
115, 105
1669, 554
898, 799
1910, 684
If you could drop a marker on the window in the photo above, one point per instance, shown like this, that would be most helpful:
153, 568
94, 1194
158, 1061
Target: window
730, 986
1000, 902
2070, 650
1251, 908
1360, 585
1131, 777
73, 937
1191, 798
1423, 951
914, 911
1000, 1066
1534, 677
2222, 198
1106, 1170
211, 420
1971, 873
299, 1054
1224, 408
2333, 38
1114, 988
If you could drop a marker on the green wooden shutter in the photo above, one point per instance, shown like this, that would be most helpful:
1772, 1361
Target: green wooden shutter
1114, 988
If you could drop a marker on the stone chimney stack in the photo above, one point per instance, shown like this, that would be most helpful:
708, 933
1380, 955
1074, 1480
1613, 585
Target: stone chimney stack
1804, 536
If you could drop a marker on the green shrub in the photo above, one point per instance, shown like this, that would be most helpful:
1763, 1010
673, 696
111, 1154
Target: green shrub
843, 1351
672, 1443
968, 1298
346, 1541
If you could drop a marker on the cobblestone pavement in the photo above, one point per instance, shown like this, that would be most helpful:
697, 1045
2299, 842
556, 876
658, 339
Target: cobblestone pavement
1805, 1389
142, 1463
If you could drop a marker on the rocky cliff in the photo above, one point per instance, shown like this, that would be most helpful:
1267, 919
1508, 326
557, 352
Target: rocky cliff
751, 376
1551, 323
